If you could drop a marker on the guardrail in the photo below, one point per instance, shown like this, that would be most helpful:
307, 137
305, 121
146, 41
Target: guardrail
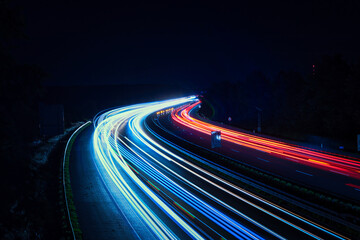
66, 181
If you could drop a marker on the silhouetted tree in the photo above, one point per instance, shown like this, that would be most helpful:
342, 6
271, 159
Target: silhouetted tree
324, 103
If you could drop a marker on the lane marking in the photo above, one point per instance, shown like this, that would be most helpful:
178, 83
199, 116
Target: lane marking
234, 150
260, 150
263, 159
339, 172
201, 138
304, 173
294, 160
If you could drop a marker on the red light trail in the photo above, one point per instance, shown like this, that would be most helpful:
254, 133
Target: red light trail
332, 162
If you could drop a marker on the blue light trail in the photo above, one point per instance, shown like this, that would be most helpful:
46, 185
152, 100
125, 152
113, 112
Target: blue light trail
131, 157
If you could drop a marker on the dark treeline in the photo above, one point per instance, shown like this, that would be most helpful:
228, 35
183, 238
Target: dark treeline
30, 202
29, 206
325, 103
20, 91
81, 103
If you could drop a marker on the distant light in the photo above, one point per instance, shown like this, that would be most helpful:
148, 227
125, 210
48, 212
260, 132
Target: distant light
229, 119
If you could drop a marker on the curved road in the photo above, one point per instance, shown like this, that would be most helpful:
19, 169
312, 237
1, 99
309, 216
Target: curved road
328, 172
128, 184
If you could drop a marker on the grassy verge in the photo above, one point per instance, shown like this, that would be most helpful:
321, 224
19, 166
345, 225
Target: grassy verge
70, 215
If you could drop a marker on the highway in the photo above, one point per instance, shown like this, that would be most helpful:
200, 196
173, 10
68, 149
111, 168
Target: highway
129, 182
328, 172
101, 212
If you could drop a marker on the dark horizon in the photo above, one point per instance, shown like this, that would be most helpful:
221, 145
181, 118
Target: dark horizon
115, 43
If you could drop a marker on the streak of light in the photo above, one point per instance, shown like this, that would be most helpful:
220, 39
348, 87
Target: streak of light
134, 163
336, 163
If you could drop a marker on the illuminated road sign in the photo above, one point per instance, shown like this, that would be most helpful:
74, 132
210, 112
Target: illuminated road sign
216, 139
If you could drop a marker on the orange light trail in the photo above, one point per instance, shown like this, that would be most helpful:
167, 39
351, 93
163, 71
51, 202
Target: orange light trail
345, 165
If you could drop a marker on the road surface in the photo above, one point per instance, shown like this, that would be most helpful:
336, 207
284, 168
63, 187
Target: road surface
327, 172
101, 215
127, 184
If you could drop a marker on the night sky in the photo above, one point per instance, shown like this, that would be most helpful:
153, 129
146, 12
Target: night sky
102, 42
